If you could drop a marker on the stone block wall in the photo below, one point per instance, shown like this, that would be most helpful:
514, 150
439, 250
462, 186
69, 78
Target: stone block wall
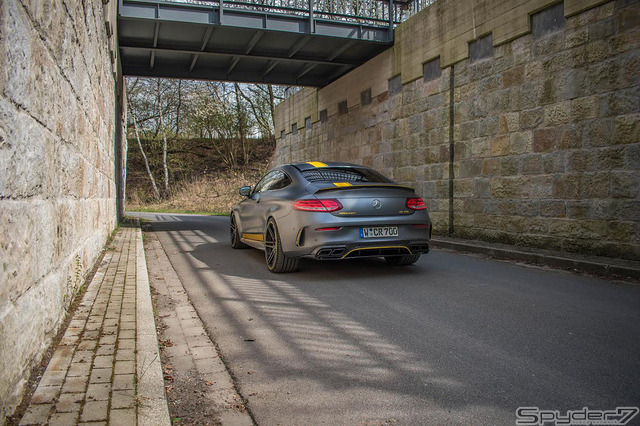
57, 188
543, 119
547, 132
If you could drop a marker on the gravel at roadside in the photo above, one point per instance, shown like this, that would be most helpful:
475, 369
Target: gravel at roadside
198, 385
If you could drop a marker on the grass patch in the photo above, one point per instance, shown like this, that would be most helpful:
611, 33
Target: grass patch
212, 195
148, 209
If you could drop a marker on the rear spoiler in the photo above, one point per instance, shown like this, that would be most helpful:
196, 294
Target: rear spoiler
341, 186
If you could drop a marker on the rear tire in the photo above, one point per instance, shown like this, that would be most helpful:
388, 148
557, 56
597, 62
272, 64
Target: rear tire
407, 259
277, 261
235, 236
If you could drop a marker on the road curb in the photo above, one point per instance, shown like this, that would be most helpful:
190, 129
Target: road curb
152, 400
613, 268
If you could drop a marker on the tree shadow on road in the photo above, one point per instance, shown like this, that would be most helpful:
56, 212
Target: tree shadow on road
428, 343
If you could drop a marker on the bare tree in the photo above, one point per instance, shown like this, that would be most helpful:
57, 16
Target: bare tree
178, 108
144, 155
241, 124
260, 99
165, 168
233, 118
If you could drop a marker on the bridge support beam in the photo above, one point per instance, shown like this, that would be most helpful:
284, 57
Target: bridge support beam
183, 40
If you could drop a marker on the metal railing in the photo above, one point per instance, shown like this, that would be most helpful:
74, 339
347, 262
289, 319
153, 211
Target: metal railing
368, 12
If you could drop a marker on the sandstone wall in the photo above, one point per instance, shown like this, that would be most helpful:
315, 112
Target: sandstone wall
520, 123
57, 187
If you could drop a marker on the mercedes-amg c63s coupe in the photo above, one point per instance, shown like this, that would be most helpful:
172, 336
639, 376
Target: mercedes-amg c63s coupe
330, 211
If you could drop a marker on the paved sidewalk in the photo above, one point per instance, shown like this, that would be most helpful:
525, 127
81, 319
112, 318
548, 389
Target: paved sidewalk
602, 266
190, 356
106, 368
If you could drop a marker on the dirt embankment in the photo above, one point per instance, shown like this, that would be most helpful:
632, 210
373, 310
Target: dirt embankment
199, 179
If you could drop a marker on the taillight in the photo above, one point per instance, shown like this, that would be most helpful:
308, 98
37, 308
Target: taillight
332, 228
416, 204
327, 205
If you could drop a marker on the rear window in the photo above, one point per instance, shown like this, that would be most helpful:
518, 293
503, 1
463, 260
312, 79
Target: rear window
344, 174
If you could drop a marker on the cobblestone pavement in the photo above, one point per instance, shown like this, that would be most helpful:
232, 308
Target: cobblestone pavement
106, 368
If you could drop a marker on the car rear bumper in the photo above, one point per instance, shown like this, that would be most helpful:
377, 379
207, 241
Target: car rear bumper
360, 250
319, 239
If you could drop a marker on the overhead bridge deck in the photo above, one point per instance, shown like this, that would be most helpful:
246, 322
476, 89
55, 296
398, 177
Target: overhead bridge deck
247, 42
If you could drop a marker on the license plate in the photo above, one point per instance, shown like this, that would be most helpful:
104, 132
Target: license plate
379, 232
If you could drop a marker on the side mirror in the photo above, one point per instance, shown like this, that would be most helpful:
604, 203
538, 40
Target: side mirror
245, 191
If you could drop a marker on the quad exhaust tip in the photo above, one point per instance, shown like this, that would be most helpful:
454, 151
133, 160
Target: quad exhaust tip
419, 248
340, 252
330, 253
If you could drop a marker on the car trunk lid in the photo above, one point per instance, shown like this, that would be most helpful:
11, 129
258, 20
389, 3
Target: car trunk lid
360, 200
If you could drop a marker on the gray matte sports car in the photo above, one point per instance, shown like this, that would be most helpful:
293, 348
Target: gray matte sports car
330, 211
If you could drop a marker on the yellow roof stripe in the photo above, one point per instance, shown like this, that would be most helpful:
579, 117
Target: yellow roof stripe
316, 164
374, 185
342, 184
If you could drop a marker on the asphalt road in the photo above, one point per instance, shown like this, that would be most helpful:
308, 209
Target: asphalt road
454, 339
